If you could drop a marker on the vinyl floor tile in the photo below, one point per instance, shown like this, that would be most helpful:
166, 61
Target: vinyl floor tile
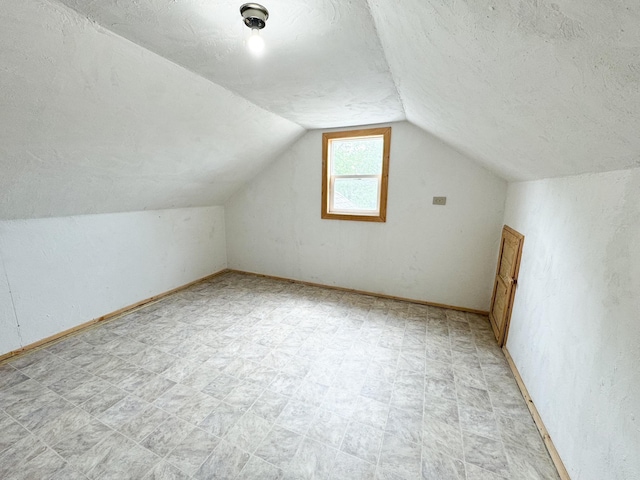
247, 377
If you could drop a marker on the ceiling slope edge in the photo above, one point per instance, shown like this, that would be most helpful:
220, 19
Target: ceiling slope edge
416, 122
99, 26
92, 124
532, 90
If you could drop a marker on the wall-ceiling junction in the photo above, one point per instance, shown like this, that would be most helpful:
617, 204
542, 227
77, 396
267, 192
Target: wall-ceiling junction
115, 106
92, 123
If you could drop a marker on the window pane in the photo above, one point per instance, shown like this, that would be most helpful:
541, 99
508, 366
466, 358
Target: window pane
355, 194
362, 156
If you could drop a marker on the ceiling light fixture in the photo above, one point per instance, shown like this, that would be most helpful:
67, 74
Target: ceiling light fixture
255, 17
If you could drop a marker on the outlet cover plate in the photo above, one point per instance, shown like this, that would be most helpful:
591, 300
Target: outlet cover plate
439, 200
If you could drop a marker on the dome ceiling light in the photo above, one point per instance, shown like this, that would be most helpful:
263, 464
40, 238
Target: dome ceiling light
255, 17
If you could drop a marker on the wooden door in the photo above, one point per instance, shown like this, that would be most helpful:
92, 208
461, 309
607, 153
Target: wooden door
504, 285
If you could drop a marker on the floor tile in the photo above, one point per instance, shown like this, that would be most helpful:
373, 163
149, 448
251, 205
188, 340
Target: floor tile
192, 451
279, 446
441, 409
437, 465
165, 471
328, 427
476, 473
348, 467
123, 412
221, 419
249, 432
405, 424
144, 423
401, 457
269, 405
12, 432
443, 436
524, 464
313, 460
474, 397
225, 462
123, 459
480, 422
76, 444
362, 441
256, 468
10, 376
104, 400
297, 416
166, 436
45, 465
485, 453
250, 377
23, 451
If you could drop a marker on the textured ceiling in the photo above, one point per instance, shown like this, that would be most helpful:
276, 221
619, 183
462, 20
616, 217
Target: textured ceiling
92, 123
323, 65
530, 88
97, 113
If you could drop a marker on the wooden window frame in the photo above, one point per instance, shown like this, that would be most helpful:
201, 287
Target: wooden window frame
328, 179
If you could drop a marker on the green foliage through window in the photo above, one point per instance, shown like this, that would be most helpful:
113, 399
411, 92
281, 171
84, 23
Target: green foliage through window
360, 156
355, 193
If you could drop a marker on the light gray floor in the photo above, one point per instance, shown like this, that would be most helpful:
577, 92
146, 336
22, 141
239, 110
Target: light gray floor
245, 377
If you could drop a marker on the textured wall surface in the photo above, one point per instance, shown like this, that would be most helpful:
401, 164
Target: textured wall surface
9, 333
434, 253
92, 123
66, 271
575, 330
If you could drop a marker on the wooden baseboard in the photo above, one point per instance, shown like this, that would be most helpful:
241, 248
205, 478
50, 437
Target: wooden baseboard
155, 298
363, 292
555, 457
111, 315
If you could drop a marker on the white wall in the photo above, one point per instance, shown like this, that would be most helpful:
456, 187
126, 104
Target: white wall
9, 335
433, 253
575, 329
65, 271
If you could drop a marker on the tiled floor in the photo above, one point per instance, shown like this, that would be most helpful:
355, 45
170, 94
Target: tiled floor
251, 378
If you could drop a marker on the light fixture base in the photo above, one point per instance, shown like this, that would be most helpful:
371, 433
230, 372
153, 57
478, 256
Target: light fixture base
255, 15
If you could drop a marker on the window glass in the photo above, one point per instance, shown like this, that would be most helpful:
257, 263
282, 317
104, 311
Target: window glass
355, 172
362, 156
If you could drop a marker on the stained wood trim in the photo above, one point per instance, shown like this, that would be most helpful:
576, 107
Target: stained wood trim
546, 438
384, 180
117, 313
364, 292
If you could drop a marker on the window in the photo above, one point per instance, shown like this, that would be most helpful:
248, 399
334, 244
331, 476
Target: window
355, 173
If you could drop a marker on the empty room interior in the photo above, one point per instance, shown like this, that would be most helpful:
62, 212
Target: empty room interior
320, 239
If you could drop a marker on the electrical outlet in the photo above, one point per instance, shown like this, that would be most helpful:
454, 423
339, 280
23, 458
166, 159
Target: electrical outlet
439, 200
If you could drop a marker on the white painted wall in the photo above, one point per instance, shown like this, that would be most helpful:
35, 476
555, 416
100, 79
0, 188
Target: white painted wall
575, 329
433, 253
9, 335
68, 270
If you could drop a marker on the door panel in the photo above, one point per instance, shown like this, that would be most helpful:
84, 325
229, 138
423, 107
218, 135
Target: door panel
505, 282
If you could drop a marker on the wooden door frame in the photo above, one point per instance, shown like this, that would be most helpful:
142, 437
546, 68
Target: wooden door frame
514, 287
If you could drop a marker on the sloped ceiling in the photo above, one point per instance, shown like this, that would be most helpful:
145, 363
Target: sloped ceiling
531, 88
324, 65
109, 105
92, 123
